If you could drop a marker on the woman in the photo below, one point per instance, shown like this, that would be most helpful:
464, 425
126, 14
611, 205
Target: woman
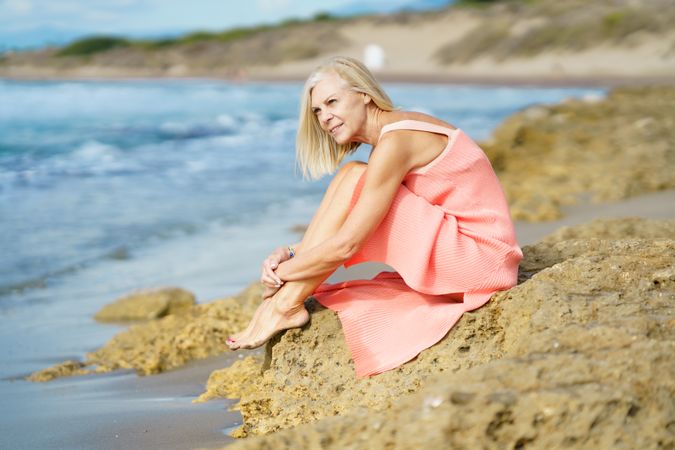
427, 203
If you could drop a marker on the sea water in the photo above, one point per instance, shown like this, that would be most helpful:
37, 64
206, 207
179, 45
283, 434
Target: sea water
107, 187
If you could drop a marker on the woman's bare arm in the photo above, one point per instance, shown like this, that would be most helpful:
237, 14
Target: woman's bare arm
387, 166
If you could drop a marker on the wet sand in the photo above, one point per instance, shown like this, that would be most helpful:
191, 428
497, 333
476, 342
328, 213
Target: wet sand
122, 410
602, 81
118, 410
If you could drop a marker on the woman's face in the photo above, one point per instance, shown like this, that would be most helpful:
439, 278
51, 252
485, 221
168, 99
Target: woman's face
341, 112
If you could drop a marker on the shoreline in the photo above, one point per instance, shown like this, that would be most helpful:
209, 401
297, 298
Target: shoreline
123, 410
398, 78
120, 410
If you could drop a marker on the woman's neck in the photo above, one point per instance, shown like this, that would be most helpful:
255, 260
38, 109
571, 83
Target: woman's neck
376, 118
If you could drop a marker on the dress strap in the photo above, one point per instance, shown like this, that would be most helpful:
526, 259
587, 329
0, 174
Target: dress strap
419, 125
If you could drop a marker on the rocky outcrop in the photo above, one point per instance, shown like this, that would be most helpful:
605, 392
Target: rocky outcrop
147, 304
238, 380
64, 369
166, 343
612, 148
579, 354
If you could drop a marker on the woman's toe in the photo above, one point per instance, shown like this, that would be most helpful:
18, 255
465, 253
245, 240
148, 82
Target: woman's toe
232, 343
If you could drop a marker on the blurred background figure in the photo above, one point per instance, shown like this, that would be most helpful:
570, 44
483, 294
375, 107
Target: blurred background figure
373, 57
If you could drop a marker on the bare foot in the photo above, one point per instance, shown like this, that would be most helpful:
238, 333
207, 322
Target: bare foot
267, 295
235, 337
270, 318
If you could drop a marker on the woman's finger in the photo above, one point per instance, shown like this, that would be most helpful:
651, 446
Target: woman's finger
274, 261
266, 268
271, 279
271, 262
271, 283
269, 272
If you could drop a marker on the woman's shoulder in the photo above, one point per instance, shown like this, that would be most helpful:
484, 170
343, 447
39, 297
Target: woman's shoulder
400, 116
397, 131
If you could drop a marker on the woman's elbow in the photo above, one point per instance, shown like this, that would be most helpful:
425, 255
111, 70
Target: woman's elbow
345, 249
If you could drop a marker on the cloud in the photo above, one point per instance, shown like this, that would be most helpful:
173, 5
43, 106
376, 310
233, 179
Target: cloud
18, 6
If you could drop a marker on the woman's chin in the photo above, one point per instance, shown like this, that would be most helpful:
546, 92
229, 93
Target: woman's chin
340, 139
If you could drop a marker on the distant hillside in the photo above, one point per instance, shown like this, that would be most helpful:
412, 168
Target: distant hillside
531, 27
472, 38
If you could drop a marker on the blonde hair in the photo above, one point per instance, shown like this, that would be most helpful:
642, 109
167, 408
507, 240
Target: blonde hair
316, 152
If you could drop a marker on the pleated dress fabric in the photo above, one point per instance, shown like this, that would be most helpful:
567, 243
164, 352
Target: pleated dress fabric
449, 237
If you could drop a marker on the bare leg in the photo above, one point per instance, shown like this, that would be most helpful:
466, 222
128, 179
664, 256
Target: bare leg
286, 308
310, 234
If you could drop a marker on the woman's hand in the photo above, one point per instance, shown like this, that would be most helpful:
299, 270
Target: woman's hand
269, 278
269, 292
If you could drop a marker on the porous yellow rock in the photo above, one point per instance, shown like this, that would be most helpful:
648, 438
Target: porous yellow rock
240, 379
147, 304
576, 355
548, 156
169, 342
66, 368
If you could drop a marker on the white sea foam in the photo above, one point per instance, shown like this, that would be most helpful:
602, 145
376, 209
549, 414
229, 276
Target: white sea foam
226, 120
92, 158
175, 127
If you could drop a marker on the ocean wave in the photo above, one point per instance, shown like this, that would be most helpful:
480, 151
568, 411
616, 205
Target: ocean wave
178, 242
91, 158
185, 130
152, 236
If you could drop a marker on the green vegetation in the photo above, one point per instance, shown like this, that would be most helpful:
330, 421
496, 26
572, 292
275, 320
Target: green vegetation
223, 36
476, 2
97, 44
579, 34
613, 19
508, 29
93, 44
324, 17
619, 24
487, 3
567, 26
200, 36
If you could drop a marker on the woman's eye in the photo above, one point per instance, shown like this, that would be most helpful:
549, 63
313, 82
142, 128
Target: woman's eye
331, 101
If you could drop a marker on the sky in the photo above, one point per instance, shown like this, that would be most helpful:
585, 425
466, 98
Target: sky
30, 23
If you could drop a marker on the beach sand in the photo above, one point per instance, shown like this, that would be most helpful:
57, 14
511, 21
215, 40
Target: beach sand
410, 49
122, 410
118, 410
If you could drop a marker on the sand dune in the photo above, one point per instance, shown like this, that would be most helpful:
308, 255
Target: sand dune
573, 42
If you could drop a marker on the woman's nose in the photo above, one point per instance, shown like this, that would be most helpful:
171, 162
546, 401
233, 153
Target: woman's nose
326, 116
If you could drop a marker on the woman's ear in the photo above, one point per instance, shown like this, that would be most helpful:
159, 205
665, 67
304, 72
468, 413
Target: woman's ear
366, 99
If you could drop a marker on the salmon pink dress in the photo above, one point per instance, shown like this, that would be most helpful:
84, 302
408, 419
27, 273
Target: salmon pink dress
449, 236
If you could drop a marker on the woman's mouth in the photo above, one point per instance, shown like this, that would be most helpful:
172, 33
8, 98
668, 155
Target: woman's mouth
335, 129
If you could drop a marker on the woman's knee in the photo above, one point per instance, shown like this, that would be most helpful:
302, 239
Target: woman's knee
352, 174
348, 170
353, 169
